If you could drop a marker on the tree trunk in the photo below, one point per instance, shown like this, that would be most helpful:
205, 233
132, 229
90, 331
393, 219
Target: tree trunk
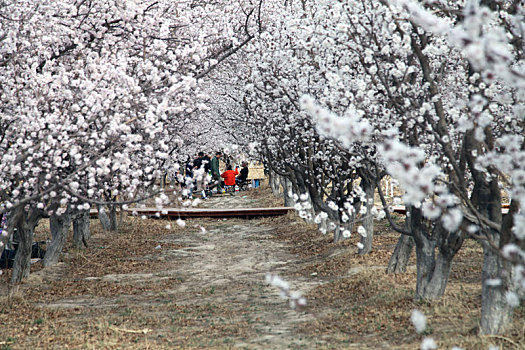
433, 272
59, 226
338, 234
399, 260
496, 313
275, 184
120, 216
26, 223
113, 222
104, 218
22, 263
4, 237
288, 193
336, 224
163, 180
308, 213
368, 221
323, 226
81, 231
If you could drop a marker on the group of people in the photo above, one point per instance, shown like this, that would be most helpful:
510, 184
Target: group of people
196, 171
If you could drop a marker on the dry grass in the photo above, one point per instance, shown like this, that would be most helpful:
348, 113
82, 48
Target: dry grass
355, 304
370, 309
264, 197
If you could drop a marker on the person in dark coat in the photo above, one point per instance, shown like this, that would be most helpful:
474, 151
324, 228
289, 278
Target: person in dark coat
243, 175
199, 161
215, 172
207, 163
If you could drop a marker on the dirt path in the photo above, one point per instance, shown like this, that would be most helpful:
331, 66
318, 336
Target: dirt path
227, 264
209, 292
155, 285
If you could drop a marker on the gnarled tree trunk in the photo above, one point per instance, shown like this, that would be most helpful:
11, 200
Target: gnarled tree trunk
26, 222
59, 226
399, 260
22, 263
496, 315
433, 270
81, 232
338, 232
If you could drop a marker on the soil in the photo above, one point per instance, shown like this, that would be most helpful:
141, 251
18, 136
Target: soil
156, 285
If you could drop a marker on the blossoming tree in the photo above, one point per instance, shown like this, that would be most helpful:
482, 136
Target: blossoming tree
436, 97
90, 93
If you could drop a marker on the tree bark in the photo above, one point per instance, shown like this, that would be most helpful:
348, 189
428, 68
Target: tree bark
399, 260
163, 180
104, 218
81, 231
432, 271
25, 224
323, 226
496, 313
274, 184
59, 226
288, 193
22, 263
368, 221
113, 222
338, 234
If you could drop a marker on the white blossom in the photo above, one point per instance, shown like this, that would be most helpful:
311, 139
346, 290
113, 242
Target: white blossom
428, 344
512, 299
452, 219
419, 321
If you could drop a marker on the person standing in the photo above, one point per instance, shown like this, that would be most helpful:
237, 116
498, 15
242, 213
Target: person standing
188, 179
197, 163
199, 174
207, 163
215, 172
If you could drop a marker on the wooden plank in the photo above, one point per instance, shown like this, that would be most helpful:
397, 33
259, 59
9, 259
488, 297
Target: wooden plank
175, 213
402, 210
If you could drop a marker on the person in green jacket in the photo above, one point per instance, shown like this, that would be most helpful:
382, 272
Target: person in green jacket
215, 172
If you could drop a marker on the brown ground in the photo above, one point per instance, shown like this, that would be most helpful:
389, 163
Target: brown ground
150, 286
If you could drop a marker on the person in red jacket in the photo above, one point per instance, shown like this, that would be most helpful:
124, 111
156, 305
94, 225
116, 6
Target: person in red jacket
229, 176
